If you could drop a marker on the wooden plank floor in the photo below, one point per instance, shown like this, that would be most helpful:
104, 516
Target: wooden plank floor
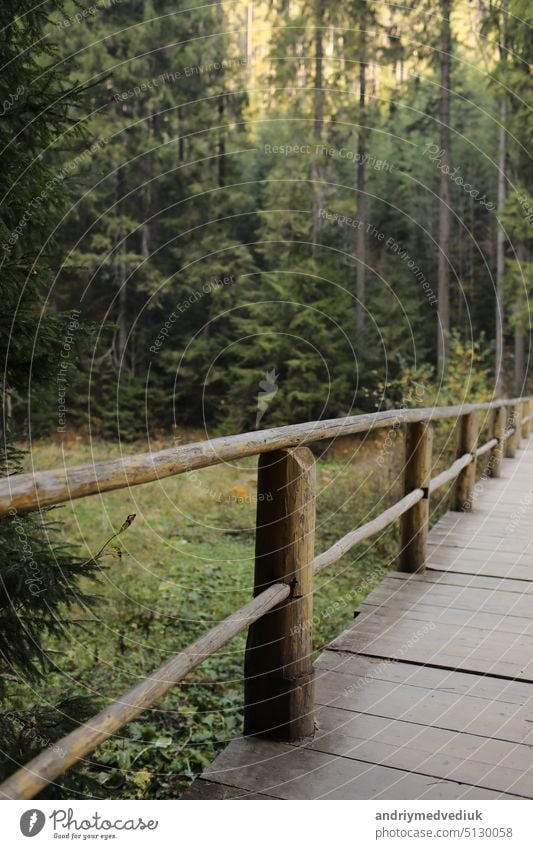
429, 694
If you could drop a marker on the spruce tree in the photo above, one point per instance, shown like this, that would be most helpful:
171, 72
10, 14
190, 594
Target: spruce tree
39, 576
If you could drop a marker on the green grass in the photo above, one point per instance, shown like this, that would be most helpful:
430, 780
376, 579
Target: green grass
186, 562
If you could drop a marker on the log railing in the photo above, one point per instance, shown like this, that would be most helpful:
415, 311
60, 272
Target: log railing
279, 696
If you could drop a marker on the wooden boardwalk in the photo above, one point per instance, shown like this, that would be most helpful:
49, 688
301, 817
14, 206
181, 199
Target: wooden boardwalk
429, 694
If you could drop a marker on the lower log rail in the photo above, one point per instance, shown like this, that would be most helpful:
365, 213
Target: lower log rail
278, 667
42, 770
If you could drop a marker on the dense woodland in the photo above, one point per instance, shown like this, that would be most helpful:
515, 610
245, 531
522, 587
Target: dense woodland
338, 192
326, 206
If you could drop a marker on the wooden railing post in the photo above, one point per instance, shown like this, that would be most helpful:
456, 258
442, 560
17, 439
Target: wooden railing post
513, 442
467, 437
498, 430
279, 677
526, 410
417, 473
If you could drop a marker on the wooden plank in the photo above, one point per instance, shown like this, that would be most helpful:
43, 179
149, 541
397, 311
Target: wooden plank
506, 654
451, 555
485, 567
513, 528
362, 669
497, 522
474, 554
211, 791
472, 531
480, 542
468, 758
451, 709
288, 772
457, 579
394, 593
494, 520
400, 610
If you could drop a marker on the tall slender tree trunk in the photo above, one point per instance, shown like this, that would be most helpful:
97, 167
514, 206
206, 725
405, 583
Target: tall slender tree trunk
121, 339
519, 348
120, 274
221, 108
7, 412
147, 199
361, 176
443, 276
500, 234
519, 336
318, 124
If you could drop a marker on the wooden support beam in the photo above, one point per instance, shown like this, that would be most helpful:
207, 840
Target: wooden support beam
499, 420
417, 473
467, 437
279, 676
526, 411
513, 442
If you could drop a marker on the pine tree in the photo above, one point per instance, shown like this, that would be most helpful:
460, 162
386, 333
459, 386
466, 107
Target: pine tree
39, 576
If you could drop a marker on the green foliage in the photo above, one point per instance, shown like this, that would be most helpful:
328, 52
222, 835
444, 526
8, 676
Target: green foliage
25, 732
188, 181
40, 573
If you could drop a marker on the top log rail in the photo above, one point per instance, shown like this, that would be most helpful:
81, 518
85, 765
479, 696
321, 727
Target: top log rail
43, 489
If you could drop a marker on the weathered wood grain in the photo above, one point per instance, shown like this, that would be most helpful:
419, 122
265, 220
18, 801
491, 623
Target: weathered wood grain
450, 474
288, 772
513, 442
424, 750
414, 523
278, 667
498, 430
467, 438
42, 489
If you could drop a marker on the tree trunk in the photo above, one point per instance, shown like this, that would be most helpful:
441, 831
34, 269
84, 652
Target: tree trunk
316, 170
361, 198
120, 273
121, 336
443, 330
500, 234
221, 108
147, 202
519, 336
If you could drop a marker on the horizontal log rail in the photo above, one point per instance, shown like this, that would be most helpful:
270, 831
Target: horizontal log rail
343, 546
450, 474
48, 765
278, 670
387, 517
488, 446
44, 489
